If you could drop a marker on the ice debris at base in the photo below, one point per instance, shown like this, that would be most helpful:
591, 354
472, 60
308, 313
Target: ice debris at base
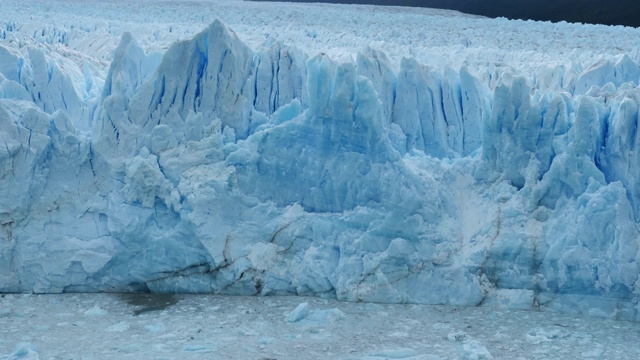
303, 316
403, 353
95, 311
217, 167
470, 349
299, 313
119, 327
24, 351
249, 327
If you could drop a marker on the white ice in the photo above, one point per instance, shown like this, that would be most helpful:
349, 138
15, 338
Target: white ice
355, 153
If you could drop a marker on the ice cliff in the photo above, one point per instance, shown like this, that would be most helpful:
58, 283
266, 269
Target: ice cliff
220, 168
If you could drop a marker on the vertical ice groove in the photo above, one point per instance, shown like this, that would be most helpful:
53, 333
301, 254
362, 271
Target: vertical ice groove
158, 94
257, 60
275, 81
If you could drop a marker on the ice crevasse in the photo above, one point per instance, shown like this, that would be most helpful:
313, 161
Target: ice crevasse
218, 168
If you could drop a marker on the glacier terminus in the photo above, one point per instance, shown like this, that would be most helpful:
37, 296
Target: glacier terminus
246, 149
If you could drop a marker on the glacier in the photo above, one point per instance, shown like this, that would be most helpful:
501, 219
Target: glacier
218, 166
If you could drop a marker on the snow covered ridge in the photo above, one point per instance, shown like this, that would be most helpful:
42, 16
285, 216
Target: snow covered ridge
218, 167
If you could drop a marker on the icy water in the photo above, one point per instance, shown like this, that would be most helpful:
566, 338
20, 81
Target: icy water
142, 326
149, 302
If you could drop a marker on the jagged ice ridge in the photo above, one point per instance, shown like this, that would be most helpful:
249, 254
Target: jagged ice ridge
216, 167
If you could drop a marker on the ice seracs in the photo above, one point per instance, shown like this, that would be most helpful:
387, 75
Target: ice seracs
217, 167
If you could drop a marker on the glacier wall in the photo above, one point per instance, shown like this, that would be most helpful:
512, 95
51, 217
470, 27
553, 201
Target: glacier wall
219, 168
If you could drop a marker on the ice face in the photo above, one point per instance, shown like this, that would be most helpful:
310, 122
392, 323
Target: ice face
216, 167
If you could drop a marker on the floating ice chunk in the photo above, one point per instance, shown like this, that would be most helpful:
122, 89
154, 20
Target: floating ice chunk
457, 336
322, 317
196, 348
595, 353
399, 334
24, 351
119, 327
4, 312
155, 328
470, 349
474, 350
266, 340
133, 347
298, 313
247, 332
382, 356
540, 335
402, 353
95, 311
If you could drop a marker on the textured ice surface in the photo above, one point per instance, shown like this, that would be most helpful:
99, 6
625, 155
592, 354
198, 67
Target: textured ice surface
344, 166
240, 328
